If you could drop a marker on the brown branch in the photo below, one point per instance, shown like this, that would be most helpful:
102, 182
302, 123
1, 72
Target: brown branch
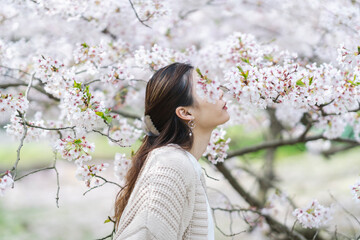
16, 69
274, 224
279, 143
105, 182
137, 16
47, 128
127, 115
206, 174
335, 150
110, 138
268, 182
92, 81
37, 88
57, 179
20, 146
32, 172
233, 182
271, 144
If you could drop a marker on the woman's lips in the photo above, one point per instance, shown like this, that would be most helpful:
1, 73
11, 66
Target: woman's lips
225, 107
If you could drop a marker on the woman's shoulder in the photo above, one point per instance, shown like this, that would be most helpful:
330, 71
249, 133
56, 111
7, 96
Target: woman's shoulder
169, 149
171, 156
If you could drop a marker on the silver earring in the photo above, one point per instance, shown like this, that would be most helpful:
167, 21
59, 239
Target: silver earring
191, 125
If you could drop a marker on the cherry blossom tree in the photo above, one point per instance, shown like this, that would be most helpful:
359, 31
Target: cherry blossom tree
291, 70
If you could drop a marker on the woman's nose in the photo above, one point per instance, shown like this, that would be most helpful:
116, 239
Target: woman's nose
221, 94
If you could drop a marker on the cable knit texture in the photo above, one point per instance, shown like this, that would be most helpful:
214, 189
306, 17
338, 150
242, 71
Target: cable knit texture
168, 201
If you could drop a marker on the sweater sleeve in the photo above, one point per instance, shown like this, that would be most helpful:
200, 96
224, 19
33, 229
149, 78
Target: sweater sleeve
159, 202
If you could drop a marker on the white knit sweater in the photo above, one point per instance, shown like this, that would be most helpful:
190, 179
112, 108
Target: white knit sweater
168, 201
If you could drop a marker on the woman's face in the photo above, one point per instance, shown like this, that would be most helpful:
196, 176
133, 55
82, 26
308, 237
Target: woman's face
207, 115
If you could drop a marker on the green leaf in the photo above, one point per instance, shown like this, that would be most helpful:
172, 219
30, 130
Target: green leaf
100, 114
269, 57
199, 72
108, 119
77, 85
88, 94
246, 60
354, 83
241, 70
300, 82
311, 80
358, 49
107, 220
84, 45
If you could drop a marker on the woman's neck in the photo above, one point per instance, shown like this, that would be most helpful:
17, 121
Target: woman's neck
201, 140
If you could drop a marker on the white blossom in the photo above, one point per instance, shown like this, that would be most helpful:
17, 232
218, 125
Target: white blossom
217, 147
75, 149
6, 182
355, 190
121, 166
87, 173
313, 216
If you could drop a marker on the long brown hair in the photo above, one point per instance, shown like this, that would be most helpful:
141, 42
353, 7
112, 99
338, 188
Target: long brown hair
169, 88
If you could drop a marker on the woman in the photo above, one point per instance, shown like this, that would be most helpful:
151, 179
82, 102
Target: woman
165, 192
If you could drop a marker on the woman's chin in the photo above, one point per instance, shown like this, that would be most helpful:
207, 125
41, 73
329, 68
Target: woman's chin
224, 118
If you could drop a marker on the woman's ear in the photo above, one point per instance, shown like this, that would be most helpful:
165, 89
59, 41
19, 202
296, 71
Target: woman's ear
184, 113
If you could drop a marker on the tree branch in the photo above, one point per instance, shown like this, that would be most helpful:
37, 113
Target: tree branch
271, 144
233, 182
279, 143
127, 115
137, 16
39, 89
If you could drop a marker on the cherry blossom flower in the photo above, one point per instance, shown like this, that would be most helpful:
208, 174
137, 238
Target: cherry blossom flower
121, 166
10, 103
6, 182
87, 173
125, 132
207, 88
16, 128
82, 109
75, 149
54, 74
313, 216
217, 147
355, 190
158, 57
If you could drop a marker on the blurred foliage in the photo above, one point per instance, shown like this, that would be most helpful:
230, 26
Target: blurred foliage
41, 154
241, 138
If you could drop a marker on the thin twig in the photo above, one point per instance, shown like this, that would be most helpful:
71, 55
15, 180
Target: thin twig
345, 210
37, 88
105, 180
32, 172
137, 16
209, 176
19, 148
50, 129
57, 179
110, 138
125, 114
